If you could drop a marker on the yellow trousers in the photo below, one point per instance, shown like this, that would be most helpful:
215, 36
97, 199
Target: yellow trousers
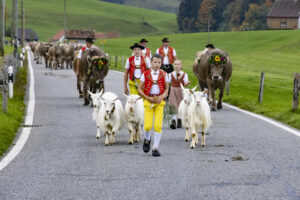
158, 111
133, 86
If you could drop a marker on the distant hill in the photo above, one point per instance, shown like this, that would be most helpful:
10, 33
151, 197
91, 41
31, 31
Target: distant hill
161, 5
46, 17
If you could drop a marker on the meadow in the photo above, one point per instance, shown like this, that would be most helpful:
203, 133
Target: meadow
274, 52
46, 17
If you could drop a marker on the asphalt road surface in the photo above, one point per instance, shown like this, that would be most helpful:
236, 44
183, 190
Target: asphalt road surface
245, 158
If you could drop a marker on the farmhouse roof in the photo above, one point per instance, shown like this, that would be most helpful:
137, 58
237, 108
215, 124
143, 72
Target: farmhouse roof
80, 34
285, 8
58, 35
30, 35
100, 35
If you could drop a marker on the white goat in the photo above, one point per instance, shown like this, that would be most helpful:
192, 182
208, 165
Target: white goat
111, 116
183, 109
96, 100
199, 116
134, 112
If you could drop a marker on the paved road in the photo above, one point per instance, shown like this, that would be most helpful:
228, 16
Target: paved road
63, 160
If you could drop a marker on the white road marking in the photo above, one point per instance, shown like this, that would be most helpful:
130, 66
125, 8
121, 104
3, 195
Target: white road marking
268, 120
12, 154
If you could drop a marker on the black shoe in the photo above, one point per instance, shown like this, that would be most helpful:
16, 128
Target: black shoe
155, 153
146, 146
179, 123
173, 124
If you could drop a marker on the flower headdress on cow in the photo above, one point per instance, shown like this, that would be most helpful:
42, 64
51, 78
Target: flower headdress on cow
99, 62
218, 59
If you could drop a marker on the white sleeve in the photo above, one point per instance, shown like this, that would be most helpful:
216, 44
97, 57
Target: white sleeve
150, 54
169, 77
79, 54
148, 63
127, 64
157, 51
166, 78
174, 52
142, 78
186, 78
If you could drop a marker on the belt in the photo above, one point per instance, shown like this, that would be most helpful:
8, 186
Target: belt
154, 95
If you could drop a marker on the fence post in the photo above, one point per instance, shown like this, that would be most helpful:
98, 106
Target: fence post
261, 87
11, 81
116, 62
123, 62
4, 90
228, 87
296, 91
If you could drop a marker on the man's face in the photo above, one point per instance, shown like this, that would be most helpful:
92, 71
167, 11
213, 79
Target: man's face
137, 52
177, 65
156, 63
144, 44
166, 44
88, 44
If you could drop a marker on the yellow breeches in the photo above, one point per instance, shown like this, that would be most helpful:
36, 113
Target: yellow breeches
133, 86
158, 111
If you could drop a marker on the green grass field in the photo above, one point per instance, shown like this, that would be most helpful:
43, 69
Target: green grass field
11, 121
46, 17
274, 52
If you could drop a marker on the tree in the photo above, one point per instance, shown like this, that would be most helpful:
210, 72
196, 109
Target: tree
188, 14
256, 17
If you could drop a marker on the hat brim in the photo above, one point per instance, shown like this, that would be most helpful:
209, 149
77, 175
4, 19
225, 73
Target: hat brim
165, 40
144, 41
137, 46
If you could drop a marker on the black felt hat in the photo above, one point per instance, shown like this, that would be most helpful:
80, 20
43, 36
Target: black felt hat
90, 40
137, 45
165, 39
210, 46
143, 40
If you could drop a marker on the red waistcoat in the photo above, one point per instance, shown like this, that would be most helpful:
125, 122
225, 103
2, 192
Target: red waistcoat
148, 52
132, 66
83, 49
170, 54
175, 82
149, 82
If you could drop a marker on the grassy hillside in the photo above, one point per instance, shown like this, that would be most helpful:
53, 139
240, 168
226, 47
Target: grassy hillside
274, 52
166, 5
46, 17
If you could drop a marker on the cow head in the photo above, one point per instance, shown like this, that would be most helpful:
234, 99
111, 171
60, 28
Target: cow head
131, 103
99, 66
187, 94
216, 66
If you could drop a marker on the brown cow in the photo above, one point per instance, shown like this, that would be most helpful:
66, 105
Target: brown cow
96, 79
44, 52
54, 54
213, 71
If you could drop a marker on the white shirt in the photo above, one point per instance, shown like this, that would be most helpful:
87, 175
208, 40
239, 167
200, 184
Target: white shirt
185, 79
155, 88
80, 52
144, 52
166, 59
137, 61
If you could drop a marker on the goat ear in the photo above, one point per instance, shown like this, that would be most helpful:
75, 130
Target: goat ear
89, 59
182, 86
194, 89
116, 99
101, 92
126, 96
90, 93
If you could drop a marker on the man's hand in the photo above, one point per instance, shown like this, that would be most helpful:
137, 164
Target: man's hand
126, 91
159, 99
151, 99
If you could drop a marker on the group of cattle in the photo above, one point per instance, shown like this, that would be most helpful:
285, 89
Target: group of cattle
55, 55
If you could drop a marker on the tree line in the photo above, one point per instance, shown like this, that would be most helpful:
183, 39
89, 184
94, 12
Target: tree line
223, 15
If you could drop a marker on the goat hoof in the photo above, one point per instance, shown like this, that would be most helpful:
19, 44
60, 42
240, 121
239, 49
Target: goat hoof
97, 137
130, 142
192, 147
106, 144
186, 140
203, 145
213, 109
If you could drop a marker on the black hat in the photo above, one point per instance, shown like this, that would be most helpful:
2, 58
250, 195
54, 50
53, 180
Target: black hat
143, 40
210, 46
90, 40
165, 39
137, 45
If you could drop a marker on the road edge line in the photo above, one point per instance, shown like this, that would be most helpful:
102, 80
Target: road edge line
20, 143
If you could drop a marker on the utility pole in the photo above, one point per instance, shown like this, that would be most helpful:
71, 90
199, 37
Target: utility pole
65, 21
2, 31
208, 26
22, 24
15, 27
